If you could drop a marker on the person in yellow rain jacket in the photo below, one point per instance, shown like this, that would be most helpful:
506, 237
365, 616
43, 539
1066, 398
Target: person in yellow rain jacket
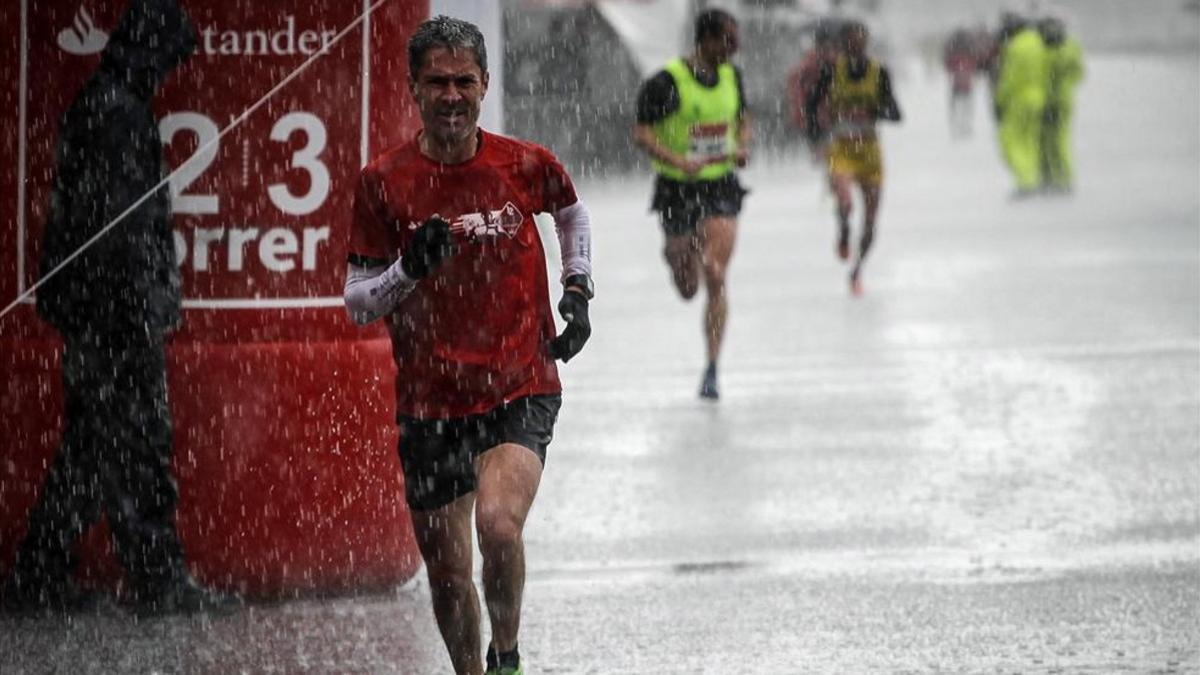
1020, 98
1064, 59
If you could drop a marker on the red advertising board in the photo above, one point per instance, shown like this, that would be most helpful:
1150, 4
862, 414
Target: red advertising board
285, 447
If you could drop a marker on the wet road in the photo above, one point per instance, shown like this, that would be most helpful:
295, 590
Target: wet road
989, 463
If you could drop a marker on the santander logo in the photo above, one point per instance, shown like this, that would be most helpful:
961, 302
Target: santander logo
82, 37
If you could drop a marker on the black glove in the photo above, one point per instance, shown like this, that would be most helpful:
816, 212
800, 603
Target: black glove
574, 309
430, 244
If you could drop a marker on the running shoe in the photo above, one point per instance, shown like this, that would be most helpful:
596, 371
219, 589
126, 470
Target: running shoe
508, 663
183, 596
856, 287
708, 387
22, 597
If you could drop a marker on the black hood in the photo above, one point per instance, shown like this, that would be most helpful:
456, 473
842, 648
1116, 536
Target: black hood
153, 37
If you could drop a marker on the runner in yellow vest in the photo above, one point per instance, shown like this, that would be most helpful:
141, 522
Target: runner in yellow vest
1064, 59
693, 122
859, 93
1020, 103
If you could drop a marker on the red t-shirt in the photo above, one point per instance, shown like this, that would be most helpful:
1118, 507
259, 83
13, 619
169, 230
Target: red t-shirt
473, 334
801, 80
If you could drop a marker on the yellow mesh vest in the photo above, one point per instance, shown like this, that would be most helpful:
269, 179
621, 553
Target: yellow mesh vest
704, 126
847, 97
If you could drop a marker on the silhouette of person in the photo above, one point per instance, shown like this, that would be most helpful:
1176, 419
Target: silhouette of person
113, 306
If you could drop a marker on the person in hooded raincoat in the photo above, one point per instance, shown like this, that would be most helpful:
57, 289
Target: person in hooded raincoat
1020, 98
113, 304
1064, 71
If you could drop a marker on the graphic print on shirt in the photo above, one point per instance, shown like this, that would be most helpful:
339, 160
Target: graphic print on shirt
505, 220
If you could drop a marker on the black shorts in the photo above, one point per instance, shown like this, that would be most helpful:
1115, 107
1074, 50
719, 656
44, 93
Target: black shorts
438, 456
682, 205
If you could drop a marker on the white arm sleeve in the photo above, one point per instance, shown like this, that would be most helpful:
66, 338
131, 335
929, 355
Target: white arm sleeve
372, 292
574, 227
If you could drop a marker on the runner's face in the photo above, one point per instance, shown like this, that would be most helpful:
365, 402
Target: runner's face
856, 43
721, 48
449, 88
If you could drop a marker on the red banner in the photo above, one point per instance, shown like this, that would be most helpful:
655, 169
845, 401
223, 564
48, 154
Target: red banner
282, 406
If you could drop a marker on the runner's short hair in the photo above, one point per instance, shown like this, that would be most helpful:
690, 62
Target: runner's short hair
825, 32
852, 26
1053, 30
445, 31
711, 23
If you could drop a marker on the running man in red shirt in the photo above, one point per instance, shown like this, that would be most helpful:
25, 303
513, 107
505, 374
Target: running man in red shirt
443, 247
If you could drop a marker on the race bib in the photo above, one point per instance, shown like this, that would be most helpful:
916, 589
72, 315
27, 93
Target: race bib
707, 142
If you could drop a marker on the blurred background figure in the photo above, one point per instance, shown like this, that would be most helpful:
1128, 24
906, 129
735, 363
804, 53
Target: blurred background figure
992, 48
1064, 69
801, 80
858, 91
693, 121
961, 61
1020, 101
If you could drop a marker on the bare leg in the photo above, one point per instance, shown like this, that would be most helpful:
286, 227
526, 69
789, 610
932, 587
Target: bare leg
509, 475
871, 196
444, 538
841, 185
683, 256
718, 235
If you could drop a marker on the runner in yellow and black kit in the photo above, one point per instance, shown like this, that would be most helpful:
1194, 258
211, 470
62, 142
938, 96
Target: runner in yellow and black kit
692, 120
858, 91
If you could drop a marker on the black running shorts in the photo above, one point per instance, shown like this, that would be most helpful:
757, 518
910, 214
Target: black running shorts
682, 205
438, 456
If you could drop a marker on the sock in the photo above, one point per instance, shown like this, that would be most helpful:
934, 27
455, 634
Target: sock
511, 659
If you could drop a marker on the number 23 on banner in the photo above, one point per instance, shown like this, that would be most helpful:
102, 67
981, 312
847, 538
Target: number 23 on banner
306, 158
